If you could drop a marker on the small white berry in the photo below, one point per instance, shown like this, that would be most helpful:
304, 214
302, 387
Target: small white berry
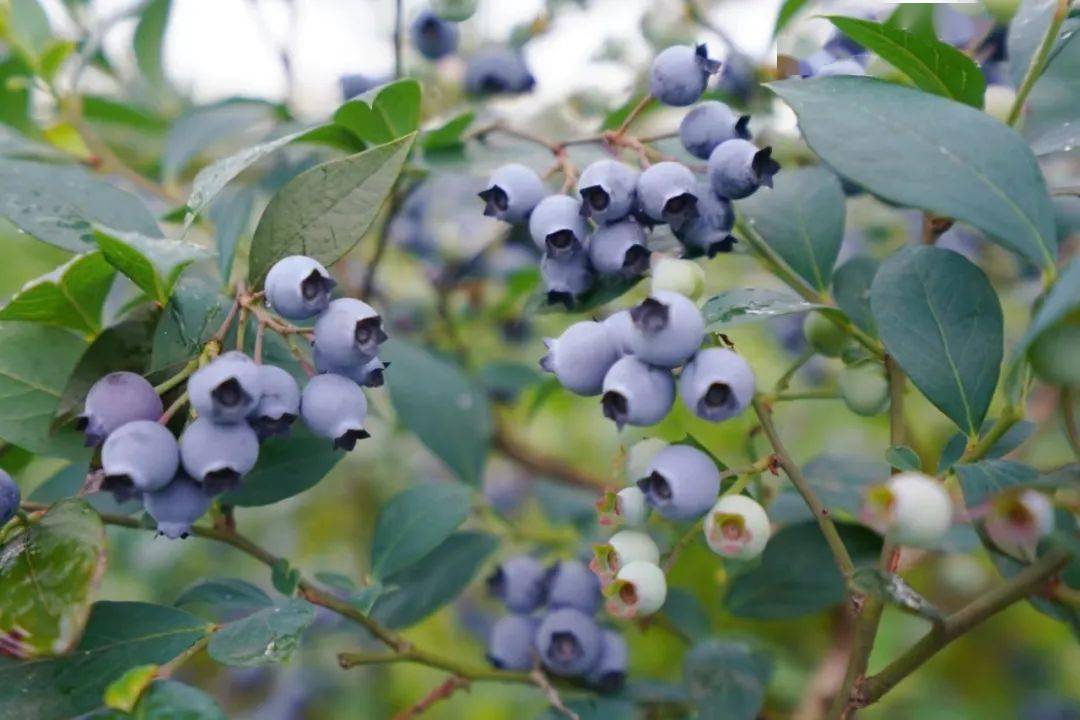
677, 275
737, 527
639, 589
623, 548
910, 509
1017, 521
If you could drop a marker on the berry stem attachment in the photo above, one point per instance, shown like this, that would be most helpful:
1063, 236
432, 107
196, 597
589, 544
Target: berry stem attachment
642, 105
260, 335
185, 372
170, 411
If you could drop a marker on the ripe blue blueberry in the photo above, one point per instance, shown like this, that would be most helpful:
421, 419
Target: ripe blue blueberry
557, 227
636, 393
737, 168
581, 357
668, 329
114, 400
710, 124
177, 506
619, 249
218, 455
226, 390
520, 582
369, 372
710, 232
298, 287
608, 190
811, 65
570, 583
334, 407
609, 675
10, 496
141, 456
510, 643
279, 405
432, 36
717, 384
357, 84
568, 642
620, 327
512, 192
681, 482
567, 277
349, 332
667, 192
505, 487
497, 71
680, 73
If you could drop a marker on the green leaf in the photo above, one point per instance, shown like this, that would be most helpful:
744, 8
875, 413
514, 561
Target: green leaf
28, 28
149, 41
788, 10
447, 136
802, 219
726, 679
506, 379
48, 572
941, 321
218, 128
110, 111
195, 311
223, 599
324, 211
384, 113
153, 264
1062, 299
287, 466
797, 574
932, 65
839, 481
70, 296
231, 216
1026, 32
851, 288
31, 383
686, 613
735, 307
891, 588
172, 700
424, 587
285, 577
1064, 138
414, 523
1008, 442
59, 204
902, 457
265, 637
982, 480
443, 407
917, 18
123, 693
866, 130
15, 81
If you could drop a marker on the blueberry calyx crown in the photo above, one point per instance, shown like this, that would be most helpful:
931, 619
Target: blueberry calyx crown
221, 480
742, 127
230, 394
636, 260
655, 486
555, 297
564, 648
347, 440
615, 406
495, 198
677, 210
650, 316
764, 167
561, 241
596, 198
315, 285
707, 65
369, 333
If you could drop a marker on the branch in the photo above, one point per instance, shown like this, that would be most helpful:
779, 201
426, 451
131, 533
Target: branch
442, 691
398, 19
545, 464
1038, 61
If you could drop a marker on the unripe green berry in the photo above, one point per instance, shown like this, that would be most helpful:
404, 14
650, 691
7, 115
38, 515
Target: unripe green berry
865, 388
824, 335
1053, 354
681, 276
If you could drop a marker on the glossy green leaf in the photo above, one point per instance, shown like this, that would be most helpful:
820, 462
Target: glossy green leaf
223, 599
446, 410
153, 264
865, 129
851, 288
1026, 32
119, 636
384, 113
932, 65
941, 321
902, 457
265, 637
448, 135
48, 572
59, 204
735, 307
982, 480
149, 41
1008, 442
231, 215
414, 523
70, 296
324, 211
802, 219
106, 110
172, 700
839, 481
726, 679
285, 577
219, 128
287, 466
195, 311
1062, 299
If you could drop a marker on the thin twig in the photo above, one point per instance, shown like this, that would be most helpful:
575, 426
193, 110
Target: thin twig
178, 403
442, 691
399, 66
545, 465
1038, 61
633, 114
554, 699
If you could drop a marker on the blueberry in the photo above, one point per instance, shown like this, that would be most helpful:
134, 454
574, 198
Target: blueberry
567, 277
568, 642
910, 509
227, 390
1017, 521
141, 456
497, 71
710, 232
710, 124
864, 388
667, 192
842, 46
625, 507
737, 527
619, 249
620, 327
717, 384
177, 506
298, 287
581, 357
334, 407
738, 77
636, 393
623, 548
279, 405
681, 483
218, 455
369, 372
349, 333
825, 336
432, 36
737, 168
811, 65
557, 227
505, 488
846, 66
668, 329
609, 675
680, 73
570, 583
510, 643
608, 190
520, 583
115, 400
639, 589
512, 192
10, 496
678, 275
357, 84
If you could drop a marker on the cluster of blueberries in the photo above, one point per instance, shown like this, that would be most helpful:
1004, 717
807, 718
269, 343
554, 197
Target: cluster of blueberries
237, 403
552, 619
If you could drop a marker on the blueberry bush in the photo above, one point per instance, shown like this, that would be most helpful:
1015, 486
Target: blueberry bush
746, 391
